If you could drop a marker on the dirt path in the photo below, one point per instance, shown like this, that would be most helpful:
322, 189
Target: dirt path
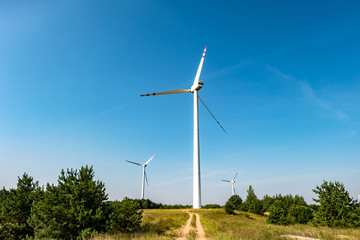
199, 229
187, 229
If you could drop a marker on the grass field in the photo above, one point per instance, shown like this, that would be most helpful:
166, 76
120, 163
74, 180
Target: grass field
156, 224
219, 225
164, 224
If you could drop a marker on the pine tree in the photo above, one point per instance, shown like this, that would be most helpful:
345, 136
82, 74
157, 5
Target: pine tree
125, 216
73, 208
16, 208
252, 203
336, 206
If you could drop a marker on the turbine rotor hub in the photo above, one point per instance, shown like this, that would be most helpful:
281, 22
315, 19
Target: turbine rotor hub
197, 86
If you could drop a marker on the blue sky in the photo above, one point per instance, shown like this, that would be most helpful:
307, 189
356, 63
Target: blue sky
281, 77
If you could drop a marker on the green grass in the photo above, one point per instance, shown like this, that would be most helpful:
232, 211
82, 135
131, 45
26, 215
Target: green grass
164, 224
219, 225
156, 224
193, 221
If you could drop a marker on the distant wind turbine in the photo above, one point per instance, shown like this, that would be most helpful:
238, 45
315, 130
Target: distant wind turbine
144, 177
197, 85
232, 184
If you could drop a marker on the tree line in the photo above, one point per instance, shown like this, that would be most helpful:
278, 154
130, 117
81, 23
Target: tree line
334, 208
148, 204
75, 208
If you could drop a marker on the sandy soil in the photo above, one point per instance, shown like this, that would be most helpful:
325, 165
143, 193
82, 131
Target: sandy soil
185, 231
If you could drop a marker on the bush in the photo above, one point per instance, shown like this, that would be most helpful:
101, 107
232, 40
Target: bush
211, 206
267, 201
125, 216
299, 214
278, 214
287, 210
147, 204
234, 203
256, 206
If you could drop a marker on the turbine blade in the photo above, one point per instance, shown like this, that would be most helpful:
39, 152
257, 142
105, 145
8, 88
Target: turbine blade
197, 76
133, 163
146, 179
235, 176
150, 159
235, 191
211, 114
225, 180
167, 92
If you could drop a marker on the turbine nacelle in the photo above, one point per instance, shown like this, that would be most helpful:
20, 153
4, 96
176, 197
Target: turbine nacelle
197, 86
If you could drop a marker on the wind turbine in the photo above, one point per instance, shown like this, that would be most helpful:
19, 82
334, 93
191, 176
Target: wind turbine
197, 85
232, 184
143, 175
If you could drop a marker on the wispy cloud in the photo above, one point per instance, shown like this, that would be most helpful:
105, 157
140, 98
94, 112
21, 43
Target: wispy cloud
100, 114
311, 95
222, 72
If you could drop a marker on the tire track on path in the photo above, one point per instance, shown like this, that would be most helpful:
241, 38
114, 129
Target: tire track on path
186, 230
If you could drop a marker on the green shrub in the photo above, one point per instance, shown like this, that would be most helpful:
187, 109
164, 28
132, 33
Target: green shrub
300, 214
267, 201
278, 214
125, 216
233, 203
255, 206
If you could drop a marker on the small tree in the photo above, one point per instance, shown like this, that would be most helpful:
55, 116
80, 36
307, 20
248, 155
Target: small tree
252, 203
233, 203
267, 201
278, 214
125, 216
336, 205
256, 206
299, 214
16, 208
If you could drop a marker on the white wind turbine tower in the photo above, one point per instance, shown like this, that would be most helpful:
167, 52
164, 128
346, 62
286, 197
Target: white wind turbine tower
143, 175
197, 85
232, 184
